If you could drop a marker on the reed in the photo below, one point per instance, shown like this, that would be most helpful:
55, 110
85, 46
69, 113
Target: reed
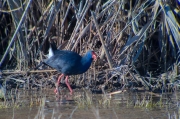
143, 35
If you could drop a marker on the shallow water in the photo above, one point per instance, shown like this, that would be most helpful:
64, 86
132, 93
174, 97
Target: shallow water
126, 105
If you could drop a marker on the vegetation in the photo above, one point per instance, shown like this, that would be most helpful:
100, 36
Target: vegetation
136, 41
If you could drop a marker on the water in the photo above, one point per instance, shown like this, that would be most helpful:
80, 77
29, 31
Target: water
83, 105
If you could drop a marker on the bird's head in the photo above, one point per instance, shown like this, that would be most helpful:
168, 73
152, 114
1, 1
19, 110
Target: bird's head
94, 56
90, 55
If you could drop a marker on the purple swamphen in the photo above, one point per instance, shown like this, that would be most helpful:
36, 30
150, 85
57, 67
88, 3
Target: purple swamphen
68, 63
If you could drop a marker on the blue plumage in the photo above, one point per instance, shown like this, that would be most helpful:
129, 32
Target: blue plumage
68, 63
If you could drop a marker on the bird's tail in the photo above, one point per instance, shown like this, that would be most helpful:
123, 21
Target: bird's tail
34, 68
38, 66
53, 46
52, 49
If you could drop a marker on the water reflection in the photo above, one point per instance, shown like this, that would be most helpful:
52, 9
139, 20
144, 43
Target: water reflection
83, 104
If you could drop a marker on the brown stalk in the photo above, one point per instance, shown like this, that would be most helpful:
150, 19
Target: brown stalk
102, 41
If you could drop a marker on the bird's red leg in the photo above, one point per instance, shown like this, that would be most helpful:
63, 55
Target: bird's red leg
59, 79
67, 83
57, 84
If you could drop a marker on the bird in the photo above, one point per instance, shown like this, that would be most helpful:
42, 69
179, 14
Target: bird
68, 63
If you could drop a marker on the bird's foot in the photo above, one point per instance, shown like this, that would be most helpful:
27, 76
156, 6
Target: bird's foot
56, 91
71, 92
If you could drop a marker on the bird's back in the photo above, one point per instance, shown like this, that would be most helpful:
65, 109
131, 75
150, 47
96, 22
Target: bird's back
64, 61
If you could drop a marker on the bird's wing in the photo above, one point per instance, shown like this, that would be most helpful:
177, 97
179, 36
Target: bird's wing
64, 61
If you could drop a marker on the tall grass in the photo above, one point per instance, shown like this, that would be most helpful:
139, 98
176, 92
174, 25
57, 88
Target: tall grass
143, 35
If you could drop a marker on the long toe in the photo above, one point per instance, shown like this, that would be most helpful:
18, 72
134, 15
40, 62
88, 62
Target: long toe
71, 92
56, 91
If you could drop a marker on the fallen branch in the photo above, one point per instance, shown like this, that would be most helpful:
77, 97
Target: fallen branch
23, 72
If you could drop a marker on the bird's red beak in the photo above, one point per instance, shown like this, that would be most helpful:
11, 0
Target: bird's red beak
94, 56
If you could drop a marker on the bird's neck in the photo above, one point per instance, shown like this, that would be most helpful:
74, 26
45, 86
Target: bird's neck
86, 62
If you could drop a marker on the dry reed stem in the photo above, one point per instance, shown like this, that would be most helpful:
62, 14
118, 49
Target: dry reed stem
23, 72
102, 41
15, 33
